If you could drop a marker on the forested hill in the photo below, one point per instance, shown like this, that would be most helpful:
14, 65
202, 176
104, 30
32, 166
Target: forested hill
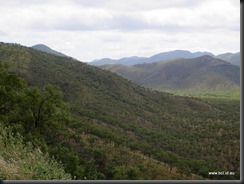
203, 73
117, 129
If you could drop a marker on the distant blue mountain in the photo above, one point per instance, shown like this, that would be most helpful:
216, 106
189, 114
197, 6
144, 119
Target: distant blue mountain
202, 73
155, 58
124, 61
234, 59
44, 48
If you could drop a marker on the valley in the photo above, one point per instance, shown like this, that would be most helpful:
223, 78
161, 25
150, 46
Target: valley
102, 126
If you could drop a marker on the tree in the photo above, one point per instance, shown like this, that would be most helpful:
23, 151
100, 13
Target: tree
183, 167
172, 159
41, 108
133, 173
119, 173
128, 173
11, 87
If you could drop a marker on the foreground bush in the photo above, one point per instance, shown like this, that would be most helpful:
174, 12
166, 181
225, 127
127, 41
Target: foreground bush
23, 162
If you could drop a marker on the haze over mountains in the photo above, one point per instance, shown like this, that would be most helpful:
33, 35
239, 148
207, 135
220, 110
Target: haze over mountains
233, 58
158, 57
44, 48
174, 70
200, 73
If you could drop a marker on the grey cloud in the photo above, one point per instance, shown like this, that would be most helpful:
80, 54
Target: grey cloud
68, 25
22, 3
128, 23
121, 23
136, 5
90, 3
3, 33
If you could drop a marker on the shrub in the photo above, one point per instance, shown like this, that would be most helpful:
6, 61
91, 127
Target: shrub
19, 161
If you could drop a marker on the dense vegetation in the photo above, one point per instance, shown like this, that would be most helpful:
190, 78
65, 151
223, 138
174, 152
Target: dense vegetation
20, 161
102, 126
22, 108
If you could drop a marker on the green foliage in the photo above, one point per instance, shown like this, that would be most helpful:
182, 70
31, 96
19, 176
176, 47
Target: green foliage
208, 94
42, 107
30, 111
123, 173
20, 161
10, 89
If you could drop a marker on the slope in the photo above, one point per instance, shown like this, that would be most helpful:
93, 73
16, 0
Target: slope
110, 112
176, 54
203, 74
234, 59
44, 48
20, 161
124, 61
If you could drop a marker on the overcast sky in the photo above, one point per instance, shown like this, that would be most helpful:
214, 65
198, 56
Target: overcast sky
95, 29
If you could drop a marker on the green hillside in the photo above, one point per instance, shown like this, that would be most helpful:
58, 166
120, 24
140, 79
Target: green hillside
113, 128
204, 73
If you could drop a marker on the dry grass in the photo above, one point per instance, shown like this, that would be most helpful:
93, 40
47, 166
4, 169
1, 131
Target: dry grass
19, 161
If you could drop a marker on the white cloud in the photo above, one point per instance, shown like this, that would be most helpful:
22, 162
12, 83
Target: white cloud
92, 29
209, 15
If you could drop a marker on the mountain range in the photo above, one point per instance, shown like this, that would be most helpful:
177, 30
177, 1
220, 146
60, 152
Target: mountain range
158, 57
178, 74
233, 58
200, 73
120, 130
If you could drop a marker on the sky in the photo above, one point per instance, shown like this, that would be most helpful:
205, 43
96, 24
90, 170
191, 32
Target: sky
95, 29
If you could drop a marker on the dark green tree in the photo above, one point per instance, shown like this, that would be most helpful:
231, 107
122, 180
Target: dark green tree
11, 87
42, 108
